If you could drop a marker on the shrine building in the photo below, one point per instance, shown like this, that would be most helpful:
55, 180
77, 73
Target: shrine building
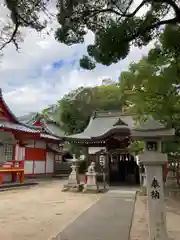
109, 133
36, 143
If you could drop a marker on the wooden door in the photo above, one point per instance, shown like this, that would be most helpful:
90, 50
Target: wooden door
114, 170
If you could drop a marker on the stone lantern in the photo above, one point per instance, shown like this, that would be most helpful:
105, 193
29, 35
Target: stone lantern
73, 179
153, 160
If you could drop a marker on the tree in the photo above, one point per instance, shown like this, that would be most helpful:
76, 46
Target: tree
117, 24
76, 108
155, 80
152, 84
23, 13
135, 147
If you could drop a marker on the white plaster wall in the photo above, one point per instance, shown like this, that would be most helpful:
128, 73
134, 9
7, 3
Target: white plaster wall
49, 162
20, 153
93, 150
39, 167
16, 152
7, 177
40, 144
28, 167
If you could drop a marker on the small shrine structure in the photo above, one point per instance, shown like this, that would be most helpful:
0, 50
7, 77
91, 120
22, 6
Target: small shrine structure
50, 130
108, 134
33, 146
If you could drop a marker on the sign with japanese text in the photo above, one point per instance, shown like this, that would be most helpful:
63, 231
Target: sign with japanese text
155, 189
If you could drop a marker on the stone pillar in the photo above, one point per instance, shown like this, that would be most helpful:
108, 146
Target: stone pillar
153, 161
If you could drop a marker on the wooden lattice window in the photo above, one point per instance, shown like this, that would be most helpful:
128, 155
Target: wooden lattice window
8, 151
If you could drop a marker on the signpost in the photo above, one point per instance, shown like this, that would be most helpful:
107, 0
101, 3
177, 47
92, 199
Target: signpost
153, 160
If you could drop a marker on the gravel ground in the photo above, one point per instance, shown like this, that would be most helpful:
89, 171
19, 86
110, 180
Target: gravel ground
39, 213
139, 230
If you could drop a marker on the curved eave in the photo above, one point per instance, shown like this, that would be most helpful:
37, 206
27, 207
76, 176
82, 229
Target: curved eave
37, 133
100, 138
50, 137
124, 130
48, 130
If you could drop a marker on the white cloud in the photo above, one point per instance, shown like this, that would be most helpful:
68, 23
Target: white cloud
27, 79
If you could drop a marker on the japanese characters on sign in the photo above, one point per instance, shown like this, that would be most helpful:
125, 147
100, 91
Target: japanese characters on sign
155, 189
102, 160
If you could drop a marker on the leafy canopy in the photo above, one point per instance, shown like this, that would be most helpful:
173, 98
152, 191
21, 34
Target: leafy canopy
152, 84
155, 80
75, 108
117, 24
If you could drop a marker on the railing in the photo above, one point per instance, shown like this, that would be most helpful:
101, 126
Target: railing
13, 167
13, 164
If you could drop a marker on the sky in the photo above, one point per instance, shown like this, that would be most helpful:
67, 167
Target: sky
44, 70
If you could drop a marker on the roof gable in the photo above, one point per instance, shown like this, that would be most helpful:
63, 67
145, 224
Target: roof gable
119, 122
29, 118
45, 122
5, 111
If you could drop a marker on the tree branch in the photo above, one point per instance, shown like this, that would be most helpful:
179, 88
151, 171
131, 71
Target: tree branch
173, 5
153, 26
137, 9
12, 38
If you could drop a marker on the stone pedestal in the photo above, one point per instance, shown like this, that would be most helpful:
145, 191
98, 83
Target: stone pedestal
153, 162
91, 183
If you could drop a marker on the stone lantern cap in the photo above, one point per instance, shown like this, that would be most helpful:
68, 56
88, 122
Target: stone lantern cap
151, 129
75, 160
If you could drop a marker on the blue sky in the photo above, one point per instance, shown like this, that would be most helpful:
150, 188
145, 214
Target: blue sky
44, 70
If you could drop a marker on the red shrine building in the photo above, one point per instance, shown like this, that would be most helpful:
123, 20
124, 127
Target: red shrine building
33, 143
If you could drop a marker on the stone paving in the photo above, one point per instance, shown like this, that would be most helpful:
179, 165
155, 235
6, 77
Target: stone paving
109, 218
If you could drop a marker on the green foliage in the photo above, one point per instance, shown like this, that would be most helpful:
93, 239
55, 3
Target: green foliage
152, 84
155, 80
136, 147
76, 108
115, 24
23, 13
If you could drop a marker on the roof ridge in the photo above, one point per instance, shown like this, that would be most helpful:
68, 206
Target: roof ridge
110, 113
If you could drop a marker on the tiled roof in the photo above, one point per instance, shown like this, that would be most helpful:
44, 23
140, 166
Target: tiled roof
28, 118
18, 127
101, 123
51, 129
43, 135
